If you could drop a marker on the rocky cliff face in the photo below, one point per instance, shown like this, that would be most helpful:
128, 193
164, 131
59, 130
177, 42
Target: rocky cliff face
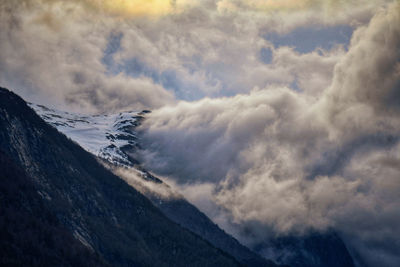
106, 216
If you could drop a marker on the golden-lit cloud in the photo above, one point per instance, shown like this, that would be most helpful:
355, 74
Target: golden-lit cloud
139, 8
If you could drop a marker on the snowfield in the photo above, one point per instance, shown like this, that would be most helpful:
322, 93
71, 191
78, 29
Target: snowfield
106, 136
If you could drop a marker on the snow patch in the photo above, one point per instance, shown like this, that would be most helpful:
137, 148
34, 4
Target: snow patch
105, 136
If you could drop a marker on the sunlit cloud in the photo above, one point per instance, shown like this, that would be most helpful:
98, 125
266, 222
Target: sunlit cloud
139, 8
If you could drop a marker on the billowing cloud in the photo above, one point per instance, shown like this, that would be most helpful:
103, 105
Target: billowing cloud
289, 14
53, 54
54, 51
284, 161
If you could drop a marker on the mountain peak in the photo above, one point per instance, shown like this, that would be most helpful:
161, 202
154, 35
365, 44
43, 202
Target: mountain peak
107, 136
96, 207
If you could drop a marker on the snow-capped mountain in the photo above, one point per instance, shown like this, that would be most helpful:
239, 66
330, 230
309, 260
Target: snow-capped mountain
61, 207
106, 136
114, 138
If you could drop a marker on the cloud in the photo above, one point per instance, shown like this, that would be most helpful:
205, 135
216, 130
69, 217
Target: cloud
135, 7
139, 8
185, 50
366, 81
54, 55
149, 188
284, 161
288, 15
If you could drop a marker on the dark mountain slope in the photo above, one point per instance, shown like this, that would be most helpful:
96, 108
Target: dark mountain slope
98, 208
118, 141
188, 216
116, 144
30, 235
314, 249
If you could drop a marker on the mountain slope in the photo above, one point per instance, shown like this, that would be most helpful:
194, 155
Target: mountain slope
185, 214
311, 250
314, 249
29, 233
113, 138
98, 208
106, 136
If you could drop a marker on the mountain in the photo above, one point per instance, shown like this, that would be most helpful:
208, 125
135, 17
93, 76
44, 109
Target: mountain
61, 188
30, 234
313, 249
106, 136
104, 133
113, 138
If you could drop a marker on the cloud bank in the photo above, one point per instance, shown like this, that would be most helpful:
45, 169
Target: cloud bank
283, 160
52, 52
111, 55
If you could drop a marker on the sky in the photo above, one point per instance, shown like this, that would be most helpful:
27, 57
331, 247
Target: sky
274, 117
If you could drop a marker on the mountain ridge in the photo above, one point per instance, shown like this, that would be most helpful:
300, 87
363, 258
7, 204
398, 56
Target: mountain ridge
296, 251
100, 209
121, 141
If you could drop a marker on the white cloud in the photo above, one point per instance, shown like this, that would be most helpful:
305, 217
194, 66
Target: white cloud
54, 54
286, 161
51, 51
